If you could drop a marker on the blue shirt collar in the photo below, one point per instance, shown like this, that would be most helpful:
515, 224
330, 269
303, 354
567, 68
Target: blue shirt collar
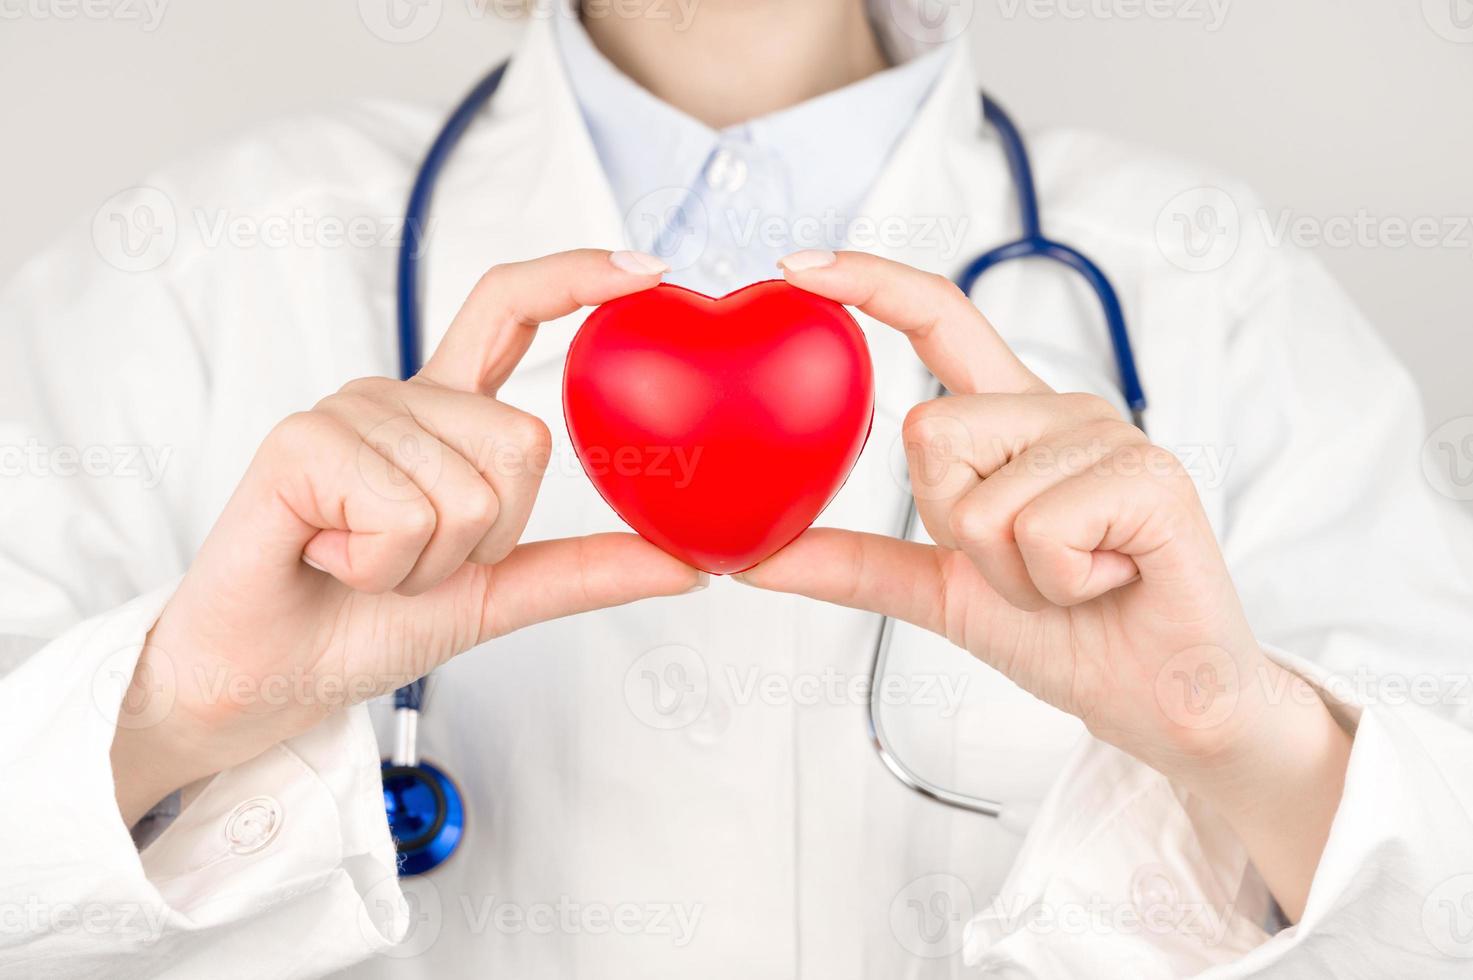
828, 150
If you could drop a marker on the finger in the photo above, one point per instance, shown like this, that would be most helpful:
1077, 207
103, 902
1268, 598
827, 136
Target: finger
394, 443
318, 507
982, 522
1135, 514
863, 571
549, 579
949, 334
509, 448
500, 317
953, 443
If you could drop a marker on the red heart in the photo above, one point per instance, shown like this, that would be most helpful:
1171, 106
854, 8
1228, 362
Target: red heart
719, 428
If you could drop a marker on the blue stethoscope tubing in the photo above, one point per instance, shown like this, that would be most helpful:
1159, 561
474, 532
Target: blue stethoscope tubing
425, 808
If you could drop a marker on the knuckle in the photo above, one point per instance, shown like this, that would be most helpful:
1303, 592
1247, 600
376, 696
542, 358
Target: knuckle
301, 432
347, 403
946, 288
495, 280
1107, 434
478, 507
417, 518
1030, 527
930, 425
971, 524
916, 422
528, 433
370, 388
1088, 406
1163, 464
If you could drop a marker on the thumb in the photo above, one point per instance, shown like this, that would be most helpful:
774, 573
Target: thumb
550, 579
901, 579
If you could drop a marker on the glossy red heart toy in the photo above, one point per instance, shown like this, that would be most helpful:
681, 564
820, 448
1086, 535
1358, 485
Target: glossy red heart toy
719, 428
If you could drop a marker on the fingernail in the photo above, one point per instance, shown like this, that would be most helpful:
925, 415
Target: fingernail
703, 579
312, 564
809, 258
638, 263
739, 577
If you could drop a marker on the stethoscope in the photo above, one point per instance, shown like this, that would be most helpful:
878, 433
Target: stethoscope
425, 808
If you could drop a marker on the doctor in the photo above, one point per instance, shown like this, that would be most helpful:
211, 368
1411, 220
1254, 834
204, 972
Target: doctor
1220, 702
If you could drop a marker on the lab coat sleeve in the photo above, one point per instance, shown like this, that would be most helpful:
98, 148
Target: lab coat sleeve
284, 862
1351, 569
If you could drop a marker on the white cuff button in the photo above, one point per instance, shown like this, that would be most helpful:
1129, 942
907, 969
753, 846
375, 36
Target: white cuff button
253, 824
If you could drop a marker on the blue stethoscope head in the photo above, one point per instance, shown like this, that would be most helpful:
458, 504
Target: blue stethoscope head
426, 815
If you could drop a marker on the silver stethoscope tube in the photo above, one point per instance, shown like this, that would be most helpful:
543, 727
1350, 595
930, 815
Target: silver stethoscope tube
888, 755
879, 665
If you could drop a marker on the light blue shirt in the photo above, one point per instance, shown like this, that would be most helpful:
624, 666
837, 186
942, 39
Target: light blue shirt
721, 207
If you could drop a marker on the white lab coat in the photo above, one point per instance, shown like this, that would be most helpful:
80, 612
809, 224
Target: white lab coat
733, 822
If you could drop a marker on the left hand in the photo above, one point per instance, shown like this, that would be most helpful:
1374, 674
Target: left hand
1071, 554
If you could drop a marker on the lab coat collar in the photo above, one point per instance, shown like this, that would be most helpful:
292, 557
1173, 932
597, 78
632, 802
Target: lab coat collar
529, 185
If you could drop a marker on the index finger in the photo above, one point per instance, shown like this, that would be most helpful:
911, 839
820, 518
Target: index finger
496, 324
949, 333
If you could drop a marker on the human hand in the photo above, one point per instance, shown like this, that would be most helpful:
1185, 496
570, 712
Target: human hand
375, 537
1076, 558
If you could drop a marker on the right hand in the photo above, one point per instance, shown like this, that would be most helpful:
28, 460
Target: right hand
372, 539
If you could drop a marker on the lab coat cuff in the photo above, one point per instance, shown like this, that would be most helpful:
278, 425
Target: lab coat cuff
1401, 842
1126, 874
302, 823
305, 815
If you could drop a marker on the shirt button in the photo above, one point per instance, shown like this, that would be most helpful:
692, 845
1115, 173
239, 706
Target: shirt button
726, 171
720, 267
253, 824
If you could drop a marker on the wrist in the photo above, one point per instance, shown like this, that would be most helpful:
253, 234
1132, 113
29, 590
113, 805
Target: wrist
163, 740
1288, 743
1277, 781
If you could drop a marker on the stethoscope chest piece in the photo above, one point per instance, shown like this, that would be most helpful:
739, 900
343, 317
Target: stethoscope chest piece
426, 815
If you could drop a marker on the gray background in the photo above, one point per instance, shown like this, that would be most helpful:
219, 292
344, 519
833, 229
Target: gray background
1331, 109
